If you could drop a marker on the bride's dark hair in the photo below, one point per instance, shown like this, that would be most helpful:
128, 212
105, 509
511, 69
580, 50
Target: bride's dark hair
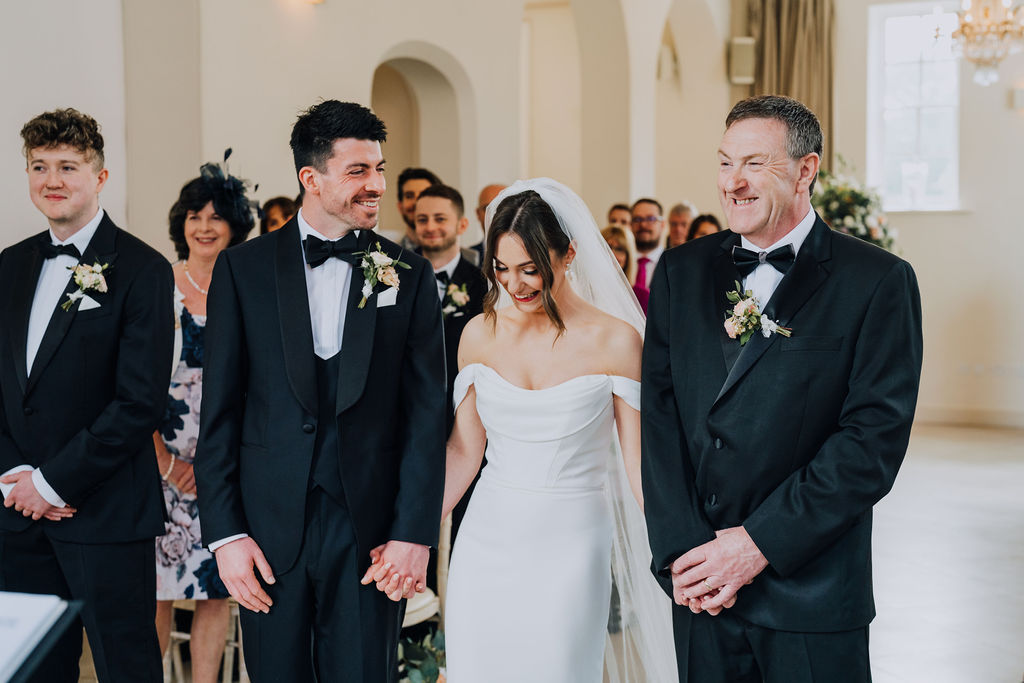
530, 218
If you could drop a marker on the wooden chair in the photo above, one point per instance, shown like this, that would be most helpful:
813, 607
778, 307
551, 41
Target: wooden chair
427, 605
233, 643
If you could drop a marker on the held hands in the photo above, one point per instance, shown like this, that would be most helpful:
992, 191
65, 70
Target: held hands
183, 477
708, 577
24, 498
235, 561
398, 568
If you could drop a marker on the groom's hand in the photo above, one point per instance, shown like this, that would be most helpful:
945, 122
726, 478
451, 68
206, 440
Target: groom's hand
715, 571
235, 561
398, 568
24, 498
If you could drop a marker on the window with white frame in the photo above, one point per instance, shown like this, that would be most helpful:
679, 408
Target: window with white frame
913, 107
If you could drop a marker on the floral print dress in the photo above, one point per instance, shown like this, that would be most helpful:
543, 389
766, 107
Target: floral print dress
184, 569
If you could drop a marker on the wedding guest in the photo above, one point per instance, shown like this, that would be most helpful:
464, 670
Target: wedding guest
648, 231
276, 212
620, 215
84, 359
412, 181
487, 195
679, 218
704, 224
620, 240
211, 214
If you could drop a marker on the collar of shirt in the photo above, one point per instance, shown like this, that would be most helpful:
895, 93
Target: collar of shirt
84, 235
796, 236
450, 266
305, 229
653, 255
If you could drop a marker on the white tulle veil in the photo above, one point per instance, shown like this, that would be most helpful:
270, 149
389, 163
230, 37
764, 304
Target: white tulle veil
640, 647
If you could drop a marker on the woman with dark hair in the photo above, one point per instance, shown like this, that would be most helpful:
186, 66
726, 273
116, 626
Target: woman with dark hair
276, 212
211, 214
548, 383
704, 224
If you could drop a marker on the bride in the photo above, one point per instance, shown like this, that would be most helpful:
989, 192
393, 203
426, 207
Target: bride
548, 382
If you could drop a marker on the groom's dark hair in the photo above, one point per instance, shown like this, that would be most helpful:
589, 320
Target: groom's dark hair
317, 128
803, 130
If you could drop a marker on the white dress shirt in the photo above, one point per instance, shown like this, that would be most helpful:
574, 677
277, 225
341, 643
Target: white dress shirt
654, 255
327, 287
763, 279
53, 280
449, 268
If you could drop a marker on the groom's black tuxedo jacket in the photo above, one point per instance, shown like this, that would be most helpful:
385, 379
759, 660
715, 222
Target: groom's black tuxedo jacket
793, 438
98, 387
259, 412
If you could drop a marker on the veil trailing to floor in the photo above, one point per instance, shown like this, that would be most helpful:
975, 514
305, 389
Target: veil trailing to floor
640, 646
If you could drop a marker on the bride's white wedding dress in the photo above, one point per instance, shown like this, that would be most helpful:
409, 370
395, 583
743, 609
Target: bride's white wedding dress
530, 581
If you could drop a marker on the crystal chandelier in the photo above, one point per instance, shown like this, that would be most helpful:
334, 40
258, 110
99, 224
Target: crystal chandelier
988, 31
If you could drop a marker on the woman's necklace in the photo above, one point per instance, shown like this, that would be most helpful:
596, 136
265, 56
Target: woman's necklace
193, 282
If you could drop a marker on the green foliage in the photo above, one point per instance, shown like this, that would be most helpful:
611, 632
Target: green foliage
422, 661
849, 207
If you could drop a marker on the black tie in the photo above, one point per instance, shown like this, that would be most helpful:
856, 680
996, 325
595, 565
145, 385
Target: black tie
50, 250
780, 259
318, 250
442, 277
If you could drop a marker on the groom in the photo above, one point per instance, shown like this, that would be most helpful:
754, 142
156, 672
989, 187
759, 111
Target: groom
322, 427
762, 461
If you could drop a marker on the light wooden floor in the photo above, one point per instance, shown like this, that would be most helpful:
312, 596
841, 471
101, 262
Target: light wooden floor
949, 561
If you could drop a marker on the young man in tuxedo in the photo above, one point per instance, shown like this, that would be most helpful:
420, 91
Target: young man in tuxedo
762, 458
84, 361
322, 430
440, 220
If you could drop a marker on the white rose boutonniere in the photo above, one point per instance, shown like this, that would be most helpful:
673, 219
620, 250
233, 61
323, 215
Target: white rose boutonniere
378, 267
89, 279
743, 318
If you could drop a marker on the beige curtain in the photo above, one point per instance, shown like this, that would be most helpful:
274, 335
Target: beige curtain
796, 56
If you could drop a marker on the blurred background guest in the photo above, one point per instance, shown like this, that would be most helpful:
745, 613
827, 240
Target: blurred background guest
620, 240
648, 224
679, 218
704, 224
487, 195
412, 181
276, 212
620, 215
211, 214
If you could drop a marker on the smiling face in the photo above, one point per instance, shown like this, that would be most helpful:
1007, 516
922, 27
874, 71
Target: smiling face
65, 186
346, 196
764, 192
648, 224
620, 217
438, 226
206, 233
516, 271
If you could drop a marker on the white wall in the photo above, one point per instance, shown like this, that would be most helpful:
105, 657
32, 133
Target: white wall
59, 53
967, 261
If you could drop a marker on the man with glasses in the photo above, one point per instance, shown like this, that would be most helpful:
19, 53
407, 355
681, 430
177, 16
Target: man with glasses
648, 228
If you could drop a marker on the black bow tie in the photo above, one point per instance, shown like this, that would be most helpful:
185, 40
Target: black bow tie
442, 277
50, 250
318, 250
780, 259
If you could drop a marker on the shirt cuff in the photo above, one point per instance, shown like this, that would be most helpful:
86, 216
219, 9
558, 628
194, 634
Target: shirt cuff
45, 490
224, 541
6, 488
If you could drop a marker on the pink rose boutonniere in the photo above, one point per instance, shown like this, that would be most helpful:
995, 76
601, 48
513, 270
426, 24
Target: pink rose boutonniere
88, 279
378, 267
743, 318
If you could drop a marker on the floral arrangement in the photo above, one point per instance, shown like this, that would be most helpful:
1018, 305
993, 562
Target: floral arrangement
455, 297
422, 661
378, 267
743, 318
849, 207
88, 279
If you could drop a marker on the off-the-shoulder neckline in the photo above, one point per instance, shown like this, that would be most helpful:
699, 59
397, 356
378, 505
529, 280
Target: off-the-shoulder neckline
553, 386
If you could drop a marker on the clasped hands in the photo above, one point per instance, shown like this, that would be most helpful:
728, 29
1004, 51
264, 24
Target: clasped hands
398, 568
24, 498
707, 578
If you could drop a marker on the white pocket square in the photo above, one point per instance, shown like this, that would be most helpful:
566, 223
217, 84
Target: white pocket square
88, 303
387, 298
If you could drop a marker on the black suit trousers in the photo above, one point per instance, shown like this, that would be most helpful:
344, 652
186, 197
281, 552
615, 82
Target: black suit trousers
116, 583
320, 606
728, 649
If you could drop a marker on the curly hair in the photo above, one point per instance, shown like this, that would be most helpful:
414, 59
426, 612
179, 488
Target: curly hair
229, 201
65, 127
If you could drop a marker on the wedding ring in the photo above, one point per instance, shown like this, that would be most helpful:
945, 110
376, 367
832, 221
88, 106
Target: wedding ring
710, 588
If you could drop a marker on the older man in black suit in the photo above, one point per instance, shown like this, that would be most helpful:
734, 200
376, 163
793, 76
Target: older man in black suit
85, 357
773, 421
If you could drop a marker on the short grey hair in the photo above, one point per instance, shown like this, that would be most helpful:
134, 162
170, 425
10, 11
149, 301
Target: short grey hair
803, 130
684, 206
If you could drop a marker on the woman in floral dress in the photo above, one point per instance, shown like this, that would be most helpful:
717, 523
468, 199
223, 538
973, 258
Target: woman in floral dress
211, 214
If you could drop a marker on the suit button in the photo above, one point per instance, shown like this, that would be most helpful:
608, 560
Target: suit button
718, 444
308, 428
712, 500
29, 411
